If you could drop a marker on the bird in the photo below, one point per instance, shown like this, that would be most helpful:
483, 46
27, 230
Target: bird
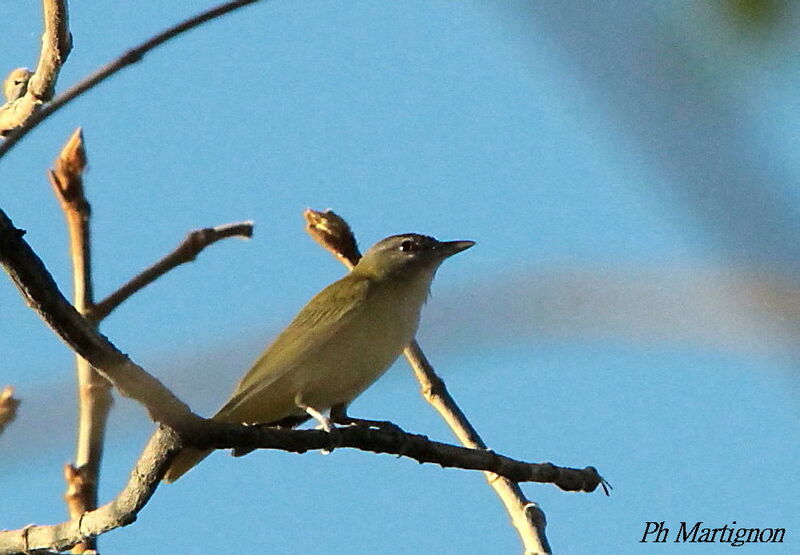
340, 343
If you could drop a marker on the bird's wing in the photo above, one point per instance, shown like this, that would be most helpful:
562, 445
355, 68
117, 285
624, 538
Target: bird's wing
313, 327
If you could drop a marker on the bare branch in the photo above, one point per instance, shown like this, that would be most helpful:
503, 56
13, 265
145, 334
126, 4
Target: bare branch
121, 511
8, 407
164, 444
128, 58
332, 232
56, 46
187, 251
67, 181
94, 391
26, 91
526, 516
42, 294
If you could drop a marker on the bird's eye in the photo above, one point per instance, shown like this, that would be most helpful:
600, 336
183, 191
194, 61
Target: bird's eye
408, 246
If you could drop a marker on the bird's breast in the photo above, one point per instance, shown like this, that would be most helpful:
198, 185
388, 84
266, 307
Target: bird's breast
366, 346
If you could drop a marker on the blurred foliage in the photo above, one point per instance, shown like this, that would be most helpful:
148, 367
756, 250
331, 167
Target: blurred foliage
757, 15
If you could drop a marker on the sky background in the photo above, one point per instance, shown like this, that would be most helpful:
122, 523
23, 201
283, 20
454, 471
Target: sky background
630, 172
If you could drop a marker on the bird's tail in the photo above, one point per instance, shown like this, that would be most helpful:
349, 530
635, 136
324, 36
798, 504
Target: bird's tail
189, 457
184, 462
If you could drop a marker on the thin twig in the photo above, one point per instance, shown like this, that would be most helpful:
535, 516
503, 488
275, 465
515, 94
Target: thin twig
27, 91
8, 407
526, 516
187, 251
332, 232
94, 391
128, 58
164, 444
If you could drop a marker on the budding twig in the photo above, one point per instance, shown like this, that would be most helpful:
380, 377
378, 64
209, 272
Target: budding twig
94, 391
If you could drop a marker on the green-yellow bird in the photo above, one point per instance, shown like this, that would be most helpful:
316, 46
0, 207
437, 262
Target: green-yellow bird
343, 340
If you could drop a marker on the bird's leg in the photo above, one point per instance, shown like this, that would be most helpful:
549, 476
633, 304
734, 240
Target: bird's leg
325, 423
339, 416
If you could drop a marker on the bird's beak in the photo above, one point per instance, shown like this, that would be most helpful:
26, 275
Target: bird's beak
449, 248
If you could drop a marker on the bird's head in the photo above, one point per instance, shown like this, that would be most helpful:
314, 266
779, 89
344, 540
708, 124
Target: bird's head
408, 254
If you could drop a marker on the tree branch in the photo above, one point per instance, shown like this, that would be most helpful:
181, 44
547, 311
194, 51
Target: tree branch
25, 91
187, 251
121, 511
94, 391
128, 58
164, 444
42, 294
526, 516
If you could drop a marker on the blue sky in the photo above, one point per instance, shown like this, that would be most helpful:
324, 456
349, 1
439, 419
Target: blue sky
628, 171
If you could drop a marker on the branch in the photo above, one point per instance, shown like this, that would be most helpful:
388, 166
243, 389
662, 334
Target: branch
128, 58
164, 444
8, 407
187, 251
94, 391
26, 91
121, 511
334, 234
526, 516
42, 294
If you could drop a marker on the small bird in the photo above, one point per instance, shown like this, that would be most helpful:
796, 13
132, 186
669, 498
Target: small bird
344, 339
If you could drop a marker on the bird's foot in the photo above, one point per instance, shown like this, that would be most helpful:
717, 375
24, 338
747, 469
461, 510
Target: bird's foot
334, 436
382, 425
340, 417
